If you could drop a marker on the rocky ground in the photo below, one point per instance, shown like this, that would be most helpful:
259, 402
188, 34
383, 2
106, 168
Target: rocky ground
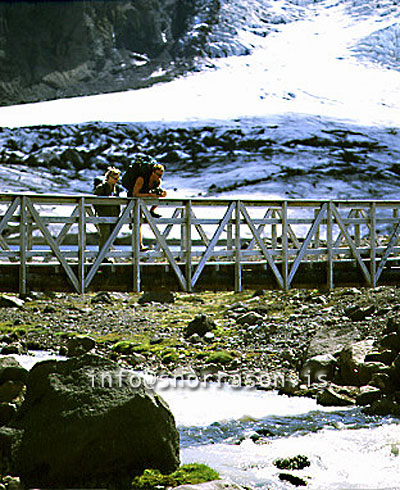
270, 331
341, 347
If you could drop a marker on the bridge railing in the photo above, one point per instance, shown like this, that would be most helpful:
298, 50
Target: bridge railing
193, 233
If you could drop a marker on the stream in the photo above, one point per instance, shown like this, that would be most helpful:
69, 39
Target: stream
240, 432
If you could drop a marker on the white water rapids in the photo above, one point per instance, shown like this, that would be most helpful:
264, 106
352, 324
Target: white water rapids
347, 450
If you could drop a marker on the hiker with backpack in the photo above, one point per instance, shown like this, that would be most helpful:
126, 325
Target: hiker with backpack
143, 179
108, 187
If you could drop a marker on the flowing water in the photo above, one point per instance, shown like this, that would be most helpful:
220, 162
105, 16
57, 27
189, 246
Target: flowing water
240, 432
347, 449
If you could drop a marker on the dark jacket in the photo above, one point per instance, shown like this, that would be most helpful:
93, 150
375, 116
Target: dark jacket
104, 189
146, 185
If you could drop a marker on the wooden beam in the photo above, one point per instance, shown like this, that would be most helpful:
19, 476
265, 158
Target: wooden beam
52, 244
351, 244
213, 242
262, 246
164, 245
310, 235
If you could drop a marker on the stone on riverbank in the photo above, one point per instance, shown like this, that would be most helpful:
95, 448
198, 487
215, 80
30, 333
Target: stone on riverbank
10, 301
200, 325
83, 425
212, 485
80, 345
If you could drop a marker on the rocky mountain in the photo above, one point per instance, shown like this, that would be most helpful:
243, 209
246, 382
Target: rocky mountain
52, 49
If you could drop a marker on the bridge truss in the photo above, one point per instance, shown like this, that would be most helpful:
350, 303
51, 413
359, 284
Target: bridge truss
277, 238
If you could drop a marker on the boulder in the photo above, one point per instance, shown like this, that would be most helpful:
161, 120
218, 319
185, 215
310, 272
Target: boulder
77, 346
157, 297
11, 370
385, 356
200, 325
366, 371
395, 371
329, 339
7, 412
392, 325
290, 386
349, 362
9, 440
391, 341
293, 479
368, 394
14, 348
10, 390
298, 462
357, 314
383, 381
318, 369
103, 297
384, 406
330, 397
8, 301
86, 425
251, 318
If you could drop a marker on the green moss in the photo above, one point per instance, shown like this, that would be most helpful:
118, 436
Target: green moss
201, 355
7, 327
220, 357
298, 462
19, 330
169, 357
141, 348
188, 474
124, 347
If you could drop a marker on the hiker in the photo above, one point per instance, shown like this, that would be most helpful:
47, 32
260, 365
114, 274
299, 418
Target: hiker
143, 179
108, 187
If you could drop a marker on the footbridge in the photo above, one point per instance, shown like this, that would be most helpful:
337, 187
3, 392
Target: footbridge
49, 243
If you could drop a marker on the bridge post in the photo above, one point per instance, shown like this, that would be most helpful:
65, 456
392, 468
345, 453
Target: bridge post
188, 245
136, 246
357, 229
274, 233
372, 238
81, 244
23, 243
285, 246
329, 245
238, 266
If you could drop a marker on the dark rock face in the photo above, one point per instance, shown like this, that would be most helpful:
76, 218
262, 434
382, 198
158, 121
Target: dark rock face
53, 49
80, 431
57, 49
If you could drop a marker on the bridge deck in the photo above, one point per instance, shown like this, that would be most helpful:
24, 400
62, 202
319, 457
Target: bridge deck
48, 242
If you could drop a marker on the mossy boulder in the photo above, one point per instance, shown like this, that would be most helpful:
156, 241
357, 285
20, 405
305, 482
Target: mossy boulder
220, 357
84, 425
188, 474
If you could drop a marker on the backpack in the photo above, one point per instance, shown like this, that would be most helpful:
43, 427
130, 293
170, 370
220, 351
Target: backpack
99, 179
142, 166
